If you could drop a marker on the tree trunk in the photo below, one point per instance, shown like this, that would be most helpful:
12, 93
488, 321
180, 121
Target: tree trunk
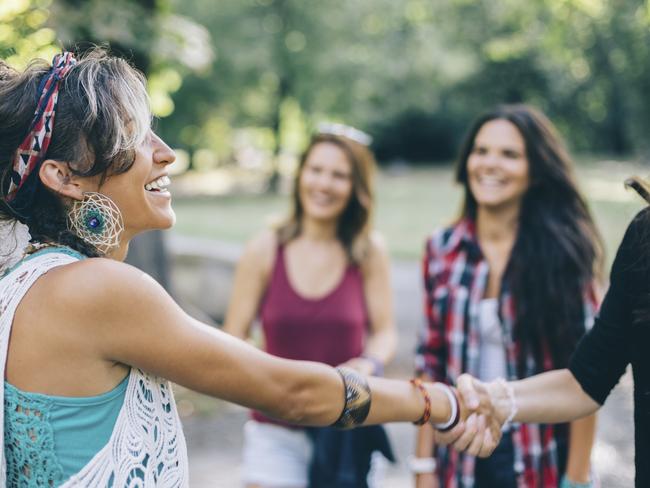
283, 68
276, 126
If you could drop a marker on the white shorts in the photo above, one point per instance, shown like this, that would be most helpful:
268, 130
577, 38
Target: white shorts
275, 456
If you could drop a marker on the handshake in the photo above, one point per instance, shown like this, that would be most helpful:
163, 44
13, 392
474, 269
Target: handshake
484, 409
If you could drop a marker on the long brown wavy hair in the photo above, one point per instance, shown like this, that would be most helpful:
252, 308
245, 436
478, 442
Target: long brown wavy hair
355, 223
558, 252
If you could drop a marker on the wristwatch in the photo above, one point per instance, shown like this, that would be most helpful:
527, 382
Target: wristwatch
419, 465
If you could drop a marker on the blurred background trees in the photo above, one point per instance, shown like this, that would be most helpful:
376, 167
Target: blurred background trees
238, 85
244, 81
414, 72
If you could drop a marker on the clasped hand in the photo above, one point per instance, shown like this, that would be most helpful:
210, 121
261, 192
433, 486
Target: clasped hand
482, 417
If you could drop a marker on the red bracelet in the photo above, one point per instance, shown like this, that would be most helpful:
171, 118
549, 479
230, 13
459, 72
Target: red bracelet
427, 402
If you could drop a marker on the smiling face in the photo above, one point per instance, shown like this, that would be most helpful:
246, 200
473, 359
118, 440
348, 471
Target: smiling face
141, 192
497, 167
325, 184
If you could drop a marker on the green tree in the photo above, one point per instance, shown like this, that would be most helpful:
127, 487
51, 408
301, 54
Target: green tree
24, 33
162, 44
407, 68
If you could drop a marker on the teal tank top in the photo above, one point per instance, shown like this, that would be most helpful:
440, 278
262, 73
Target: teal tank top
47, 438
50, 438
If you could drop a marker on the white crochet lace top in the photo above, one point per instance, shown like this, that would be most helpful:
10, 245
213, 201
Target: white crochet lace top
146, 448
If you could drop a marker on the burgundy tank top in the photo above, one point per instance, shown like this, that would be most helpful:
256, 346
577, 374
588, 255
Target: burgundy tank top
330, 330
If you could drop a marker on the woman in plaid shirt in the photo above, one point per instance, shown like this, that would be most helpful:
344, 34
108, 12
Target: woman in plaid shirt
509, 291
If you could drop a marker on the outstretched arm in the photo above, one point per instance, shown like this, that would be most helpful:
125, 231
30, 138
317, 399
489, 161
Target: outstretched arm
138, 324
599, 360
551, 397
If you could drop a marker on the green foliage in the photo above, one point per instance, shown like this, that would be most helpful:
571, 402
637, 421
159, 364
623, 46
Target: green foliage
585, 62
24, 33
159, 42
409, 68
164, 45
412, 72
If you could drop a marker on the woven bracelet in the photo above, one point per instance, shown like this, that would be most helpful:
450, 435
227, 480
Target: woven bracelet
417, 383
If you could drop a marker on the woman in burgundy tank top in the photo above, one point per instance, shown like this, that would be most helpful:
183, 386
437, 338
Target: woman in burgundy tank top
319, 284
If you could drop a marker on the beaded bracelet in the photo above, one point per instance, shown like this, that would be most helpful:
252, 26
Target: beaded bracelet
417, 383
510, 392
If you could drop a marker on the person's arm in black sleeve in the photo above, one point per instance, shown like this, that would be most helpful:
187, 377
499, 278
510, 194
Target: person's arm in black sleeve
604, 352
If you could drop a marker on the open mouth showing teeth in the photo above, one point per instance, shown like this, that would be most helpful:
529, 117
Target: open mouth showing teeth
158, 185
491, 181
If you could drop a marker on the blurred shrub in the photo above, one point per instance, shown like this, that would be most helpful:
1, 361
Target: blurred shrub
418, 136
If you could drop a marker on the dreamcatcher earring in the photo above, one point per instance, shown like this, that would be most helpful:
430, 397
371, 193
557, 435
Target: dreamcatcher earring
97, 220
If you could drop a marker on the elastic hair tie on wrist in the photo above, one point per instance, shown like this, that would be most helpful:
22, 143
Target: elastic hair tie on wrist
426, 415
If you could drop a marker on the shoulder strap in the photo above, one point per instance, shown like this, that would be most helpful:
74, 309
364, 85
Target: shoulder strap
147, 445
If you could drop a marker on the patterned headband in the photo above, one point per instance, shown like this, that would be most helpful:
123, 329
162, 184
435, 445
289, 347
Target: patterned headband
32, 150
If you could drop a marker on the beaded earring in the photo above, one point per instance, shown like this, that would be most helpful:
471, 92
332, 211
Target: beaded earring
97, 220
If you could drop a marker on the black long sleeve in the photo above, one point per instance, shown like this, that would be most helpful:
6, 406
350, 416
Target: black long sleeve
604, 352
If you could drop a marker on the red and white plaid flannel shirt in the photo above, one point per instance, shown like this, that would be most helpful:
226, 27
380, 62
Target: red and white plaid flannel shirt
455, 280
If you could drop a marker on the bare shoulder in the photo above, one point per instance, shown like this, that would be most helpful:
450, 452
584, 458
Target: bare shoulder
377, 256
99, 285
378, 243
92, 304
260, 250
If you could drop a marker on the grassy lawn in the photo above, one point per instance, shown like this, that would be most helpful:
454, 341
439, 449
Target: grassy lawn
410, 204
